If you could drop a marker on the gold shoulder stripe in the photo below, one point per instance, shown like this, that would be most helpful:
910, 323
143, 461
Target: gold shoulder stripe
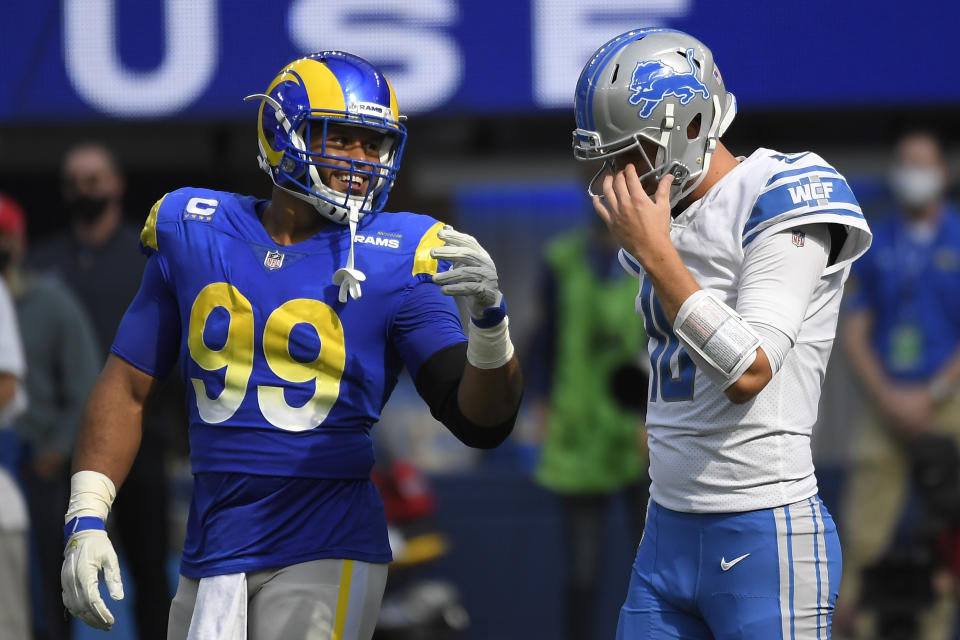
148, 236
422, 262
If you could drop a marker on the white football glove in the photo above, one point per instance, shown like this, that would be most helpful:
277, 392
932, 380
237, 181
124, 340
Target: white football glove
88, 550
473, 276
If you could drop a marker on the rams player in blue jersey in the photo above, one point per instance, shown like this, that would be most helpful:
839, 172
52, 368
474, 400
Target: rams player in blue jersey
291, 320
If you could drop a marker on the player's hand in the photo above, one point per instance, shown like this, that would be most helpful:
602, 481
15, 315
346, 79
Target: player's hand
472, 276
87, 553
641, 223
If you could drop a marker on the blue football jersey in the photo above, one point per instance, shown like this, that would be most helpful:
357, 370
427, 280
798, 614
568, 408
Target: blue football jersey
909, 285
283, 381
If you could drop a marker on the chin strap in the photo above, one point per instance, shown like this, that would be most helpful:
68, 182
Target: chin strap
349, 278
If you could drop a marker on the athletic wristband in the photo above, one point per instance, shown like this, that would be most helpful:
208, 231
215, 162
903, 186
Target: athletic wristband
489, 348
91, 494
492, 316
82, 523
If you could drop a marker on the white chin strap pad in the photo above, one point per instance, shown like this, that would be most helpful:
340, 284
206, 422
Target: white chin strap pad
719, 341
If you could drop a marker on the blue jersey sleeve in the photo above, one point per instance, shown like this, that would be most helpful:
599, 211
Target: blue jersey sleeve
149, 333
426, 322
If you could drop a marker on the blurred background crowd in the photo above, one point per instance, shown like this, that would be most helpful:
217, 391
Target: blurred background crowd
105, 105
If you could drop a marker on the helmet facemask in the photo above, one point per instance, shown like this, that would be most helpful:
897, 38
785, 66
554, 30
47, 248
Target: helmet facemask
296, 112
297, 171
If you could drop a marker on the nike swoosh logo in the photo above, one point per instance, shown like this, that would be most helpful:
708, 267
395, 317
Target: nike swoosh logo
725, 566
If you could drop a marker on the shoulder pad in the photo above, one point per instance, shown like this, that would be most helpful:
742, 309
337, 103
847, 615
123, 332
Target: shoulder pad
414, 234
800, 186
423, 263
187, 204
148, 235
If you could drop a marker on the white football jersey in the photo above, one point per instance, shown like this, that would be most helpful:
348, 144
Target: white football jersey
708, 455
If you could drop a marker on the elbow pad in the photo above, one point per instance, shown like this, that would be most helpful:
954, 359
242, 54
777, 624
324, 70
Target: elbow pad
721, 343
437, 383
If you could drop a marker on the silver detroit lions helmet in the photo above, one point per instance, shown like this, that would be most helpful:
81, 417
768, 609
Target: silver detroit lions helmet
649, 84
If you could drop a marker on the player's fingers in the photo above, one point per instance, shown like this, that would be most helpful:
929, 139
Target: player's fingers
449, 235
463, 289
620, 188
462, 274
601, 209
609, 197
111, 575
99, 615
663, 189
96, 613
633, 183
70, 584
458, 254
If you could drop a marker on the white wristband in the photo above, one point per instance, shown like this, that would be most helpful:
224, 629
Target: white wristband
91, 494
489, 348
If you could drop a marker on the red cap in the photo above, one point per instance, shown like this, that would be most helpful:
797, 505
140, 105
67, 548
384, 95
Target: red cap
12, 220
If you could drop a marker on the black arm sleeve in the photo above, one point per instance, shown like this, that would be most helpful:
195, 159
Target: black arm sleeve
437, 383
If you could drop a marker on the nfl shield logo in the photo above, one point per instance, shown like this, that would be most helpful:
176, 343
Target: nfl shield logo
273, 261
798, 238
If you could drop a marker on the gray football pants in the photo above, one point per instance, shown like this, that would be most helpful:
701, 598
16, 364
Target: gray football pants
316, 600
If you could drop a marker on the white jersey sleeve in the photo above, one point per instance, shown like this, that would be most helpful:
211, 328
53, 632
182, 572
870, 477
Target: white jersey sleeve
779, 275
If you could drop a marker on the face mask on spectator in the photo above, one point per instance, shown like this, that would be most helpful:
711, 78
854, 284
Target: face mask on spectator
916, 186
86, 209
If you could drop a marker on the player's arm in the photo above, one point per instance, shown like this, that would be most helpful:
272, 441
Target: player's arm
107, 443
110, 432
473, 387
777, 280
732, 357
428, 335
491, 386
441, 382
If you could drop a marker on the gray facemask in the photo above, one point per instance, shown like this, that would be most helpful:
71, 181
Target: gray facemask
915, 186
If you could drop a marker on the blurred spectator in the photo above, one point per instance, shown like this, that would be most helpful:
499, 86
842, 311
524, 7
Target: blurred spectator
14, 522
902, 334
98, 258
591, 394
61, 350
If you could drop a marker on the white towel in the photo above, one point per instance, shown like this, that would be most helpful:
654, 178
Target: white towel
220, 612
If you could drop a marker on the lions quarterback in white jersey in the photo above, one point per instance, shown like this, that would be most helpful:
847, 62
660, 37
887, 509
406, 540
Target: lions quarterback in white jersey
741, 264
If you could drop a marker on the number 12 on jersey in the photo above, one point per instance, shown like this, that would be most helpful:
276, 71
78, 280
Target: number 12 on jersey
672, 372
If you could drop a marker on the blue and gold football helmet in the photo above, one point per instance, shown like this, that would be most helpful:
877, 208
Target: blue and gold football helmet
300, 103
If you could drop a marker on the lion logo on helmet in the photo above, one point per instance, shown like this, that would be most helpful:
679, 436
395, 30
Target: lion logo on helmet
652, 81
